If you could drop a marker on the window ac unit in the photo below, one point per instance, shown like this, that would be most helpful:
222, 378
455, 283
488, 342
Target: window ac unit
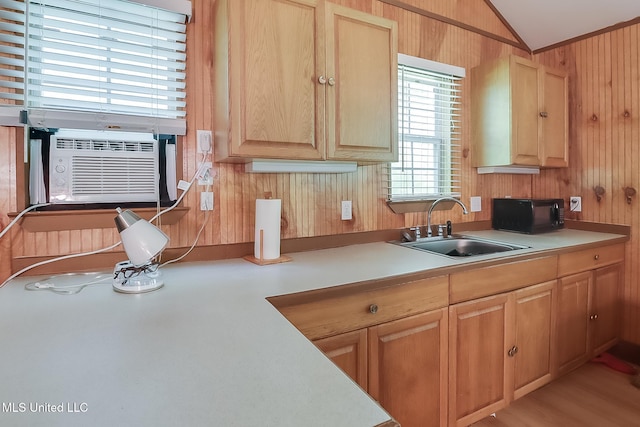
103, 167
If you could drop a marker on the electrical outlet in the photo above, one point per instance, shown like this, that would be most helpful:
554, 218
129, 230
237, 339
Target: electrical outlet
575, 204
347, 214
206, 201
205, 141
205, 177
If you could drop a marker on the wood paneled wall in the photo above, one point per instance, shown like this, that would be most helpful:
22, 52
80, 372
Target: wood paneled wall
604, 84
605, 143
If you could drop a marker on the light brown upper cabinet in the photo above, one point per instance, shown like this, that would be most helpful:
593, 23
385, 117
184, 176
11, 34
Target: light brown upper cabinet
519, 114
303, 80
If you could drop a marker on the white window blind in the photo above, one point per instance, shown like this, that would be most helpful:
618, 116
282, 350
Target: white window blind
429, 137
12, 56
113, 58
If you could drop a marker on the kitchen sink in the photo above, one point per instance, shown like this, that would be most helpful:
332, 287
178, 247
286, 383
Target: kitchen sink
460, 246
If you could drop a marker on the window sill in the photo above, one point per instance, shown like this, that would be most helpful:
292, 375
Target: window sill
407, 206
87, 219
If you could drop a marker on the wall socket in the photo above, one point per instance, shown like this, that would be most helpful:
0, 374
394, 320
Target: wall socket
206, 201
347, 213
205, 177
205, 141
575, 204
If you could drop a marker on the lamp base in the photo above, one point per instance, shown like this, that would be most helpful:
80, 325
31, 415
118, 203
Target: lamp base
129, 279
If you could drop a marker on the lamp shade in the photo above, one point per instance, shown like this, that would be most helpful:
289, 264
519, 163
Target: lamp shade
141, 240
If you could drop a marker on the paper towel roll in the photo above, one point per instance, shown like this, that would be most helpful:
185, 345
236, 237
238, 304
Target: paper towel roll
267, 220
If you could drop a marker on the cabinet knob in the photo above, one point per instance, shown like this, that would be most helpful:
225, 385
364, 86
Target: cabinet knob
373, 308
544, 114
322, 80
596, 257
593, 317
512, 351
332, 81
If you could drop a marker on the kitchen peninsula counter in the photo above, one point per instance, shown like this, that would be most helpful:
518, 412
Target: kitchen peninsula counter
208, 348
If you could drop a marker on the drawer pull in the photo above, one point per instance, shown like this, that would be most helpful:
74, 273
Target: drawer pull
597, 257
373, 308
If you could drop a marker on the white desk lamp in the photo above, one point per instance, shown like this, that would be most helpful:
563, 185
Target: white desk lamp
142, 242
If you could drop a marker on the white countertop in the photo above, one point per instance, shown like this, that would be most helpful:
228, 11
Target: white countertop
207, 349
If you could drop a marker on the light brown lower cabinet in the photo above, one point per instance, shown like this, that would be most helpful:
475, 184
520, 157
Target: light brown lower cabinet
588, 315
408, 368
406, 360
349, 352
606, 308
513, 328
499, 349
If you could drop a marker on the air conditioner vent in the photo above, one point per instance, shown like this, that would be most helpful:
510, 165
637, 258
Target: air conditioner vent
104, 145
117, 175
103, 167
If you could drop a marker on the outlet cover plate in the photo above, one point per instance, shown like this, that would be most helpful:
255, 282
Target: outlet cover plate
476, 204
347, 213
575, 204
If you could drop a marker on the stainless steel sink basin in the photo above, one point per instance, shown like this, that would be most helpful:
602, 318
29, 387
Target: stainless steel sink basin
461, 246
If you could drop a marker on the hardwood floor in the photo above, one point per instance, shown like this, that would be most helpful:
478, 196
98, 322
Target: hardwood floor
592, 396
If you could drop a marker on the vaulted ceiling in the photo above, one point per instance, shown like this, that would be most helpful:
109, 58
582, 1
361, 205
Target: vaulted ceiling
543, 23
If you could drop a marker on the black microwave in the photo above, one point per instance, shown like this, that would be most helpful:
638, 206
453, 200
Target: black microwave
527, 215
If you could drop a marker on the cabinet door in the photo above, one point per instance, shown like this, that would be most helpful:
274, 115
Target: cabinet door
554, 120
525, 111
349, 352
573, 321
408, 368
275, 104
362, 101
479, 372
534, 330
605, 308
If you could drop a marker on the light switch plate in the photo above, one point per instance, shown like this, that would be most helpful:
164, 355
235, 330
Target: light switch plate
476, 204
347, 213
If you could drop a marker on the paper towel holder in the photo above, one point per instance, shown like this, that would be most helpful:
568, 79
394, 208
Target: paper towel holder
261, 260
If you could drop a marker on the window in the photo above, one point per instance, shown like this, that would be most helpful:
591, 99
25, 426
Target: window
428, 124
95, 64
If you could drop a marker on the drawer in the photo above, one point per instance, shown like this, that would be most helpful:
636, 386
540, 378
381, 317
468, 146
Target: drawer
481, 282
588, 259
330, 316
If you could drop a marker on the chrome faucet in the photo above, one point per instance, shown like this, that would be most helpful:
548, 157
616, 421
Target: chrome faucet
435, 202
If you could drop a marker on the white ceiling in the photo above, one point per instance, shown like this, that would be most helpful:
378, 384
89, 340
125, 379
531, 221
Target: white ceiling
542, 23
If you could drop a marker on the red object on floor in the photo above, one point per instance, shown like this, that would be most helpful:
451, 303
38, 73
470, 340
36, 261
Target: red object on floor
615, 363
